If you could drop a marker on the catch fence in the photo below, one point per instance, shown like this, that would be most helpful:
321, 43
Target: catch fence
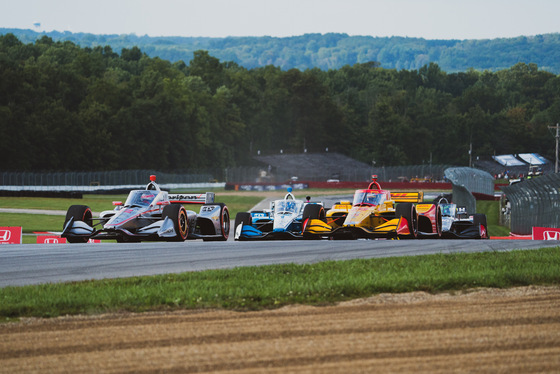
244, 174
534, 203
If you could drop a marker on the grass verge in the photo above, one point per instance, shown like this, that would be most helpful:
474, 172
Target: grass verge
492, 211
253, 288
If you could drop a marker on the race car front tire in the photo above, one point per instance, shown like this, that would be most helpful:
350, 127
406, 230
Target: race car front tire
312, 211
242, 217
178, 215
224, 225
78, 213
408, 212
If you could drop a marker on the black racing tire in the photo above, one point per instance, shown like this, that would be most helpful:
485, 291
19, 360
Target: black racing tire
314, 211
480, 219
78, 213
439, 222
338, 219
178, 215
242, 217
408, 211
224, 225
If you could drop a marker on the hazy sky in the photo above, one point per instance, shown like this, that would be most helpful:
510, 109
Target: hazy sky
430, 19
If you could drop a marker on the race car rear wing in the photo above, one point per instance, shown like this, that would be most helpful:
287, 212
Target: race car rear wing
407, 197
203, 198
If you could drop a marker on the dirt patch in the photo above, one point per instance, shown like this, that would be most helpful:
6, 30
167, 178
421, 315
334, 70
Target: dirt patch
487, 330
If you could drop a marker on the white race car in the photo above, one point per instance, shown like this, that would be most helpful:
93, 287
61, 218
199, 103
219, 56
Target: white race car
282, 221
458, 224
150, 214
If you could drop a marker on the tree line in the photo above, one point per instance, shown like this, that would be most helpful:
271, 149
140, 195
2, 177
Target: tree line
332, 50
66, 107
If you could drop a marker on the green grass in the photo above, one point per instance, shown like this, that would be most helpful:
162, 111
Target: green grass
96, 202
254, 288
99, 203
32, 222
492, 211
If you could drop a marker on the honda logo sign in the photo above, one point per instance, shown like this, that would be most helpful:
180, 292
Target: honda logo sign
546, 233
551, 235
10, 235
45, 239
5, 235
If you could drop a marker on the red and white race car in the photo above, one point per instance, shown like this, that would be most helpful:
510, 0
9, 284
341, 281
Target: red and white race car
150, 214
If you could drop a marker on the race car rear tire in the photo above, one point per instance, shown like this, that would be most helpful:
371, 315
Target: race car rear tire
78, 213
480, 219
408, 211
224, 225
439, 222
178, 215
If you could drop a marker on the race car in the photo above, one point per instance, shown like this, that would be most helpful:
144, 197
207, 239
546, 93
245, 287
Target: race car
282, 221
376, 213
458, 224
150, 214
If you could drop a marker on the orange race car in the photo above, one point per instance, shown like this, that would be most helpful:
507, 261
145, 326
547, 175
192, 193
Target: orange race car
375, 213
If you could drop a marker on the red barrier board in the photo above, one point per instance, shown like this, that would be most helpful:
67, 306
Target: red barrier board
546, 233
10, 235
50, 239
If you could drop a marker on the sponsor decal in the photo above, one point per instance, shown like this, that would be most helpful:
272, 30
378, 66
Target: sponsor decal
546, 233
10, 235
187, 198
46, 239
208, 208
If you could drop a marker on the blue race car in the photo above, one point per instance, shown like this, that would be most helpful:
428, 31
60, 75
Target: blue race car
284, 220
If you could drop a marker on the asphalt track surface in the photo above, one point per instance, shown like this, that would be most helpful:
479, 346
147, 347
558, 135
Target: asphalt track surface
29, 264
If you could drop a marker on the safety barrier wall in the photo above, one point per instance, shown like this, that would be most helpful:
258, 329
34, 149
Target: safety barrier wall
534, 203
474, 180
463, 197
467, 181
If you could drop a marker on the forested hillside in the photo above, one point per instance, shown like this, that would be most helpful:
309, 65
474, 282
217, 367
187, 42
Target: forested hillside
65, 107
333, 51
